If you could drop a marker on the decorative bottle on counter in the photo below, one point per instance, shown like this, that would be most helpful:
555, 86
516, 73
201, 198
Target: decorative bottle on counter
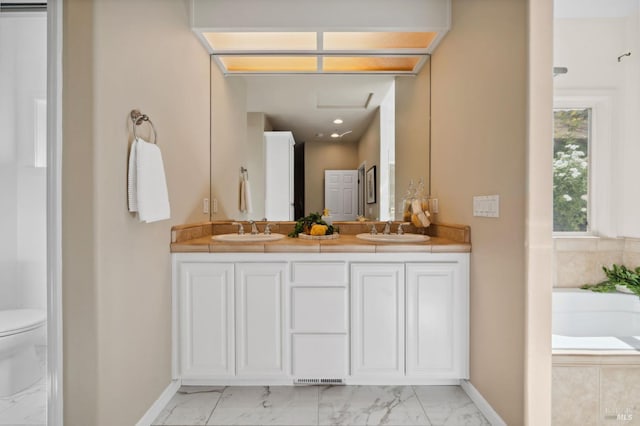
416, 206
406, 202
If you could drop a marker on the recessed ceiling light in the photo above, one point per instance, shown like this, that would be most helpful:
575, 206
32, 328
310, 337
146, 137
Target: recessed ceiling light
338, 121
336, 135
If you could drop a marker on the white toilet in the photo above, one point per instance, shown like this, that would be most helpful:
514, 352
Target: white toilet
20, 329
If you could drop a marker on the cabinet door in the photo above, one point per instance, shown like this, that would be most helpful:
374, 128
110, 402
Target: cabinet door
206, 320
377, 320
437, 321
260, 319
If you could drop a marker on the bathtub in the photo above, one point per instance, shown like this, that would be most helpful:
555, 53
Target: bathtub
600, 322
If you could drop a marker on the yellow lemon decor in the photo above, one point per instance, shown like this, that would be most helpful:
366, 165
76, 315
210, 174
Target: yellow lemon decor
318, 229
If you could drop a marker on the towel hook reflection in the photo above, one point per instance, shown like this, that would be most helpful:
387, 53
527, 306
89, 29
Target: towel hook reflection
137, 118
623, 55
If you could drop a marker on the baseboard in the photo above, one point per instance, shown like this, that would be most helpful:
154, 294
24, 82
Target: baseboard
160, 403
482, 404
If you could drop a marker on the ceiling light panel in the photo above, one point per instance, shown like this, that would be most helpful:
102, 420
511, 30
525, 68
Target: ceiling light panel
267, 64
370, 63
261, 41
365, 41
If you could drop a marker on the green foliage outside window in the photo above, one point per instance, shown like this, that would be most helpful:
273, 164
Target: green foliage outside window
571, 170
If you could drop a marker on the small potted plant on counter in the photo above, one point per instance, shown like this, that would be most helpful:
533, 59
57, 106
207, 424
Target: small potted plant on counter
313, 227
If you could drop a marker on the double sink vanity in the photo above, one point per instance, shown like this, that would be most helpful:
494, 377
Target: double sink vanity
344, 310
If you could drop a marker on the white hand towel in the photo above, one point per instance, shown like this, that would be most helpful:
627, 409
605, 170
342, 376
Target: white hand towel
245, 196
132, 181
152, 194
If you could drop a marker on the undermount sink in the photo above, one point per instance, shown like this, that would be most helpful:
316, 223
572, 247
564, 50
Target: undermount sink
393, 238
247, 238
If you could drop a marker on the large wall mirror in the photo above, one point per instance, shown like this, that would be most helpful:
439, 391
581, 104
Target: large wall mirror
384, 134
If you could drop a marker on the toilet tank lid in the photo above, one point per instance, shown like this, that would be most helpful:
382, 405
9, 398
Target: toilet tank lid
18, 320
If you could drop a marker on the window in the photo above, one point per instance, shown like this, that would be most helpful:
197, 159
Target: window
571, 169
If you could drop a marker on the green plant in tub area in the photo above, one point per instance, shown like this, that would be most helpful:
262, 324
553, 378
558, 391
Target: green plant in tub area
618, 275
304, 225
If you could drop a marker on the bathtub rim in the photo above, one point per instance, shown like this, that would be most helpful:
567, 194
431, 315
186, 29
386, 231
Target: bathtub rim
591, 352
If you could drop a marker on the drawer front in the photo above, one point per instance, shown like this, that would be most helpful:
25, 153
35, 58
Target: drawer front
320, 355
309, 273
319, 309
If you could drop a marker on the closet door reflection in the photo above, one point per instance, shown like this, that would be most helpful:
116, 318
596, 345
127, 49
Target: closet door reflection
278, 202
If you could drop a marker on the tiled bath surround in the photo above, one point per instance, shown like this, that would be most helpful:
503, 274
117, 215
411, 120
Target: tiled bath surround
579, 261
594, 389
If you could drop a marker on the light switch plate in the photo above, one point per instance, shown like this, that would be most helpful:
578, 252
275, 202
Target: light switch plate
486, 206
435, 207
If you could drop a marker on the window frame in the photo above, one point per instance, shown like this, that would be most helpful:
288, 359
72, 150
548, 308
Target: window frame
601, 188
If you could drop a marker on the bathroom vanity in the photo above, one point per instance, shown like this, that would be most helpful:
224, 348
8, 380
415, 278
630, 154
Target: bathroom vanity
336, 311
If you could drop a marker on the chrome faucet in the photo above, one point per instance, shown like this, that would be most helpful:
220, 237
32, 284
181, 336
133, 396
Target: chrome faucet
240, 228
373, 231
400, 225
387, 228
254, 227
267, 229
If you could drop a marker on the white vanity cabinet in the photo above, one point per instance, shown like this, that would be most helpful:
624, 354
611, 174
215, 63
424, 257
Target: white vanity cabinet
206, 319
363, 318
260, 320
319, 326
437, 320
377, 320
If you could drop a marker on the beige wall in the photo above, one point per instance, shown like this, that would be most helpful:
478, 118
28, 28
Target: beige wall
79, 254
412, 132
478, 148
257, 124
117, 274
369, 153
321, 156
229, 143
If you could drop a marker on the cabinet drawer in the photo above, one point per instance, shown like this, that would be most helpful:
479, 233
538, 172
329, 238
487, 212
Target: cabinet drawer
319, 273
319, 309
319, 355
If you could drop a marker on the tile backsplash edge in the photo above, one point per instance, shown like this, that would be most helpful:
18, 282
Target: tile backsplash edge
182, 233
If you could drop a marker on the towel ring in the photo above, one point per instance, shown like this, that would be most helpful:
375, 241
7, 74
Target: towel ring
137, 118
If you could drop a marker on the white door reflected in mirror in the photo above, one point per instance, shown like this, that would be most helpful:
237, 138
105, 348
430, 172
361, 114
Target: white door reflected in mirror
341, 193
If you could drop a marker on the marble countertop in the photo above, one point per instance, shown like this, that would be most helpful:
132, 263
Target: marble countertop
197, 238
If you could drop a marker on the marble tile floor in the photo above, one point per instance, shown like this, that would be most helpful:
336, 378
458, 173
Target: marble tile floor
321, 405
28, 407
